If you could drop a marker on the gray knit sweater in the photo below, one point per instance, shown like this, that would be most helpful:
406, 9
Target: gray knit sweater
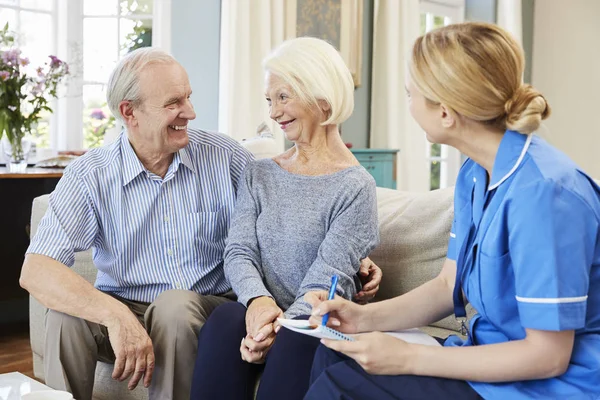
290, 233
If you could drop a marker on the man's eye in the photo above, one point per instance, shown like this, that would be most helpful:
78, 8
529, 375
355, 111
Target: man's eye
283, 96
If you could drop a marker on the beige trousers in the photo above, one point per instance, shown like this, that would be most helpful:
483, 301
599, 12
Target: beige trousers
173, 320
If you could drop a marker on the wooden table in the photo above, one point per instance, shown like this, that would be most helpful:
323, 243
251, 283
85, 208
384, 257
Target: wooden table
17, 191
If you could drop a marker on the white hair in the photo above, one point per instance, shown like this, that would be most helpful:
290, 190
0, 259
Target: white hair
123, 83
316, 71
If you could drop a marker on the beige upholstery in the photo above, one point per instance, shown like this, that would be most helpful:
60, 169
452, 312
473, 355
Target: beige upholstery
414, 231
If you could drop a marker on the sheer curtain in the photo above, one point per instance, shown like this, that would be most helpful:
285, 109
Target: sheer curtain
395, 27
510, 17
249, 30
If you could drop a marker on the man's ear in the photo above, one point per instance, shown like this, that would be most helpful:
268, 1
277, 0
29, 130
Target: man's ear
126, 110
448, 116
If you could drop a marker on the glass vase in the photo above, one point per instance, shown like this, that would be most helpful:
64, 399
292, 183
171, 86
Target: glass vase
16, 153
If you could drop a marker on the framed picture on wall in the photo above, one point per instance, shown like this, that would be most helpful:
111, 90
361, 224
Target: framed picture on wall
337, 21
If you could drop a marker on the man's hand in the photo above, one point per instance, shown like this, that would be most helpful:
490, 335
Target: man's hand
370, 275
377, 353
133, 351
261, 328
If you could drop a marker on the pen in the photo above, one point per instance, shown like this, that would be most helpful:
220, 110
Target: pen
334, 281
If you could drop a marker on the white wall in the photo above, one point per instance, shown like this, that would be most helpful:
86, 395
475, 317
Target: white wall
566, 69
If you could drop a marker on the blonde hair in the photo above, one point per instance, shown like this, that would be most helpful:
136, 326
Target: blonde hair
476, 69
124, 81
315, 71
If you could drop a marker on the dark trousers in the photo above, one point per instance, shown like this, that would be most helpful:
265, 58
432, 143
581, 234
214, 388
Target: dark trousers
220, 372
335, 376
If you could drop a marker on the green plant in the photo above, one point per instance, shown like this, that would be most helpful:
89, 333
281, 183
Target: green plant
24, 95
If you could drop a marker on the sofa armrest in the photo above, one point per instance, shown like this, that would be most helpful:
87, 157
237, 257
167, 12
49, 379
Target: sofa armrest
37, 312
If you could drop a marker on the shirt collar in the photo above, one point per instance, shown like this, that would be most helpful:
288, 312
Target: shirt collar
512, 150
186, 159
132, 166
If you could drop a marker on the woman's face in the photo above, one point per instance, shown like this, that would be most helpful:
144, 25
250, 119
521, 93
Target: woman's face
295, 119
429, 116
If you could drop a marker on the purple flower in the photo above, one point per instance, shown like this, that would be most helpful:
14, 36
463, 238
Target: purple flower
11, 57
98, 114
24, 61
55, 62
4, 75
40, 71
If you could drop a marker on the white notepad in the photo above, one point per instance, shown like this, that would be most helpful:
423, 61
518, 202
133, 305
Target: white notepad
323, 332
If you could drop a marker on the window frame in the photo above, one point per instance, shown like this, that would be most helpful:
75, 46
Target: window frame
450, 159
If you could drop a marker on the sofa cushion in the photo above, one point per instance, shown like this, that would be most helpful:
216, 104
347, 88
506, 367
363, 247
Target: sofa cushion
414, 230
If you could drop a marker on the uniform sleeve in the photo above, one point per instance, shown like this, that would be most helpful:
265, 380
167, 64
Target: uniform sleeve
352, 235
552, 239
452, 251
70, 223
242, 254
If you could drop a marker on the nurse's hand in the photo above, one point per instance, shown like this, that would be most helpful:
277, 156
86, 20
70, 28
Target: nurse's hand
344, 316
377, 353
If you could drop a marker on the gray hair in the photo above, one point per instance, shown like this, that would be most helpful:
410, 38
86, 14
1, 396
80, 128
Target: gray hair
123, 83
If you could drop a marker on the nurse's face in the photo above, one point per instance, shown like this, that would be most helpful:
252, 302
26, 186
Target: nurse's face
429, 116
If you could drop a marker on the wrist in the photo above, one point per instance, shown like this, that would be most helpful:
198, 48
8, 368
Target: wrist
364, 321
115, 313
261, 300
417, 355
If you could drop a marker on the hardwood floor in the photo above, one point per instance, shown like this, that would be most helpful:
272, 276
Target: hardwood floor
15, 349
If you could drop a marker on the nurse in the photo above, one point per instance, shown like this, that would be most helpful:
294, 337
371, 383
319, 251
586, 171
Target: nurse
524, 248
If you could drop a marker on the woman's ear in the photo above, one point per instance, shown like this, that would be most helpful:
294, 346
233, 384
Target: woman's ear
324, 106
448, 117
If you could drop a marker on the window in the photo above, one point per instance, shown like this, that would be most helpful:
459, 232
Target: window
34, 23
444, 161
125, 26
90, 35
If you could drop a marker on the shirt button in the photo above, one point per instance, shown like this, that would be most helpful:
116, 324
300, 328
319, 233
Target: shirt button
178, 285
166, 218
474, 179
170, 252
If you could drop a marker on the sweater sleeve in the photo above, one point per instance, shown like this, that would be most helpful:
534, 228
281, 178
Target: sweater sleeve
242, 254
351, 236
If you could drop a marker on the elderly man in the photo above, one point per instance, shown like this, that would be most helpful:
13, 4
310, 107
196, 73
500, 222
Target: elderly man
155, 206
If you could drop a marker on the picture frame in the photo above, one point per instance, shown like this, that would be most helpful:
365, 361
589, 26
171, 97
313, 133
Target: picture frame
340, 22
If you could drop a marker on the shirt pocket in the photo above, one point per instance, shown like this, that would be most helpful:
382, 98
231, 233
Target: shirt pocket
497, 289
209, 231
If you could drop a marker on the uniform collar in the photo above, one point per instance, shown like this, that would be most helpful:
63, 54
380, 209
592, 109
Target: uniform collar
132, 166
512, 150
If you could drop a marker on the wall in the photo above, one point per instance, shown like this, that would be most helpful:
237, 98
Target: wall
195, 36
566, 65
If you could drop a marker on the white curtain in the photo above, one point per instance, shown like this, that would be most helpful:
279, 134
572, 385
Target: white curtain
396, 26
510, 17
249, 30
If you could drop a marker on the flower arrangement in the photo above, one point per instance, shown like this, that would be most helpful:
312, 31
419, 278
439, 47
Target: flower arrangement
96, 124
24, 94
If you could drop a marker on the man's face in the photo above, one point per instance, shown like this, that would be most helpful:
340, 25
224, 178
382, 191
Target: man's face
160, 121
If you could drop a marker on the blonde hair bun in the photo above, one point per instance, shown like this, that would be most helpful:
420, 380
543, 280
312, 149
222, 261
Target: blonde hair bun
526, 109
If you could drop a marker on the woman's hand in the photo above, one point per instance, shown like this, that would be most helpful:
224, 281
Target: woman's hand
344, 315
377, 353
261, 315
370, 275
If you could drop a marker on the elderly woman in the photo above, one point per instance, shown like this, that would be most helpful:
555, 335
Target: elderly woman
524, 248
300, 218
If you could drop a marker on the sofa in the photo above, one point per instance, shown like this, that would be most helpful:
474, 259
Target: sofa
414, 232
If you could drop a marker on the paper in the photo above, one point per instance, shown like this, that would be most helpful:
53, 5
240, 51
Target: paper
321, 332
324, 332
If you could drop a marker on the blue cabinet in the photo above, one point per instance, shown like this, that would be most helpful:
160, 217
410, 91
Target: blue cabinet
381, 163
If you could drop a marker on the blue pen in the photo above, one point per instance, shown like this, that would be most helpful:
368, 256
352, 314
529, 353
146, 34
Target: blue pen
334, 280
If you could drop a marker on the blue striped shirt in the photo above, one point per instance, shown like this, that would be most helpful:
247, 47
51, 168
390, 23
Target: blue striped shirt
149, 234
